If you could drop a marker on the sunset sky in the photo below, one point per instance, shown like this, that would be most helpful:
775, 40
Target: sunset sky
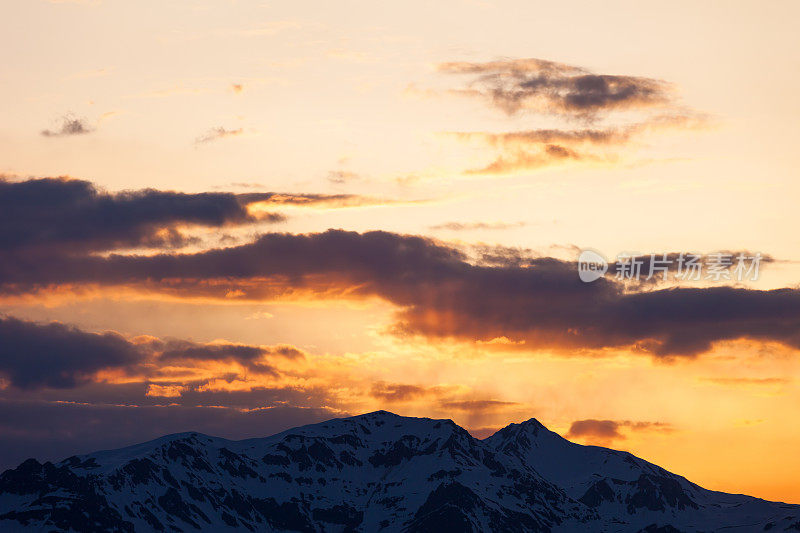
241, 216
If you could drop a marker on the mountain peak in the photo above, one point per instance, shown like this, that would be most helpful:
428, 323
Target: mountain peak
532, 424
380, 413
523, 431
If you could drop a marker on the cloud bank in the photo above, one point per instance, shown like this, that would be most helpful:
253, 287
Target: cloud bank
439, 292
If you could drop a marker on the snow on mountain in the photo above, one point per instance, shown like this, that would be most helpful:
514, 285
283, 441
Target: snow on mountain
374, 472
632, 494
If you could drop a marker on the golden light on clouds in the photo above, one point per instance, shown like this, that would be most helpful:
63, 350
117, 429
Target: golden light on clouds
344, 210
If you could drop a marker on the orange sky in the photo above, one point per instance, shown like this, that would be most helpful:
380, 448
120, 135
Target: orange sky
429, 121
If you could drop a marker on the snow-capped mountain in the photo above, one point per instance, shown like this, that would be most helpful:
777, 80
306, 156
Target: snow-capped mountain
374, 472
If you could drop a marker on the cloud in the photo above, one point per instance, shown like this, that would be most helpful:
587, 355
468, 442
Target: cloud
440, 293
655, 268
260, 315
539, 148
747, 382
340, 177
165, 391
237, 87
217, 133
503, 256
251, 357
50, 214
601, 429
555, 88
313, 200
397, 392
550, 137
34, 356
69, 126
567, 93
548, 155
74, 214
609, 430
58, 356
449, 398
476, 405
468, 226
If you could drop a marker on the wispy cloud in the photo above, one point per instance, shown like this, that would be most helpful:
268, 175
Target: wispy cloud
467, 226
535, 149
748, 381
69, 126
217, 133
605, 431
477, 405
549, 87
621, 110
341, 177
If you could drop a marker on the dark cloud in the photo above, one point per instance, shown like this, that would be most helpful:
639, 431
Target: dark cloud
69, 126
55, 355
207, 392
550, 87
602, 429
251, 357
217, 133
56, 430
69, 214
440, 293
397, 392
503, 256
73, 214
258, 397
608, 430
34, 356
655, 268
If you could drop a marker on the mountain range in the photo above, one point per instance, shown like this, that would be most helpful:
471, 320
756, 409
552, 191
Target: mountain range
368, 473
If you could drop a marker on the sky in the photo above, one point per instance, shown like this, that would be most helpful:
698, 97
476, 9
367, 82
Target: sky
240, 216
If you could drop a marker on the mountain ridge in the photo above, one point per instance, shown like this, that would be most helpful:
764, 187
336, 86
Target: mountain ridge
373, 472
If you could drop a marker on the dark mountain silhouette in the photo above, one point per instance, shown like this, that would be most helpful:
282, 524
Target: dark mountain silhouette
374, 472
